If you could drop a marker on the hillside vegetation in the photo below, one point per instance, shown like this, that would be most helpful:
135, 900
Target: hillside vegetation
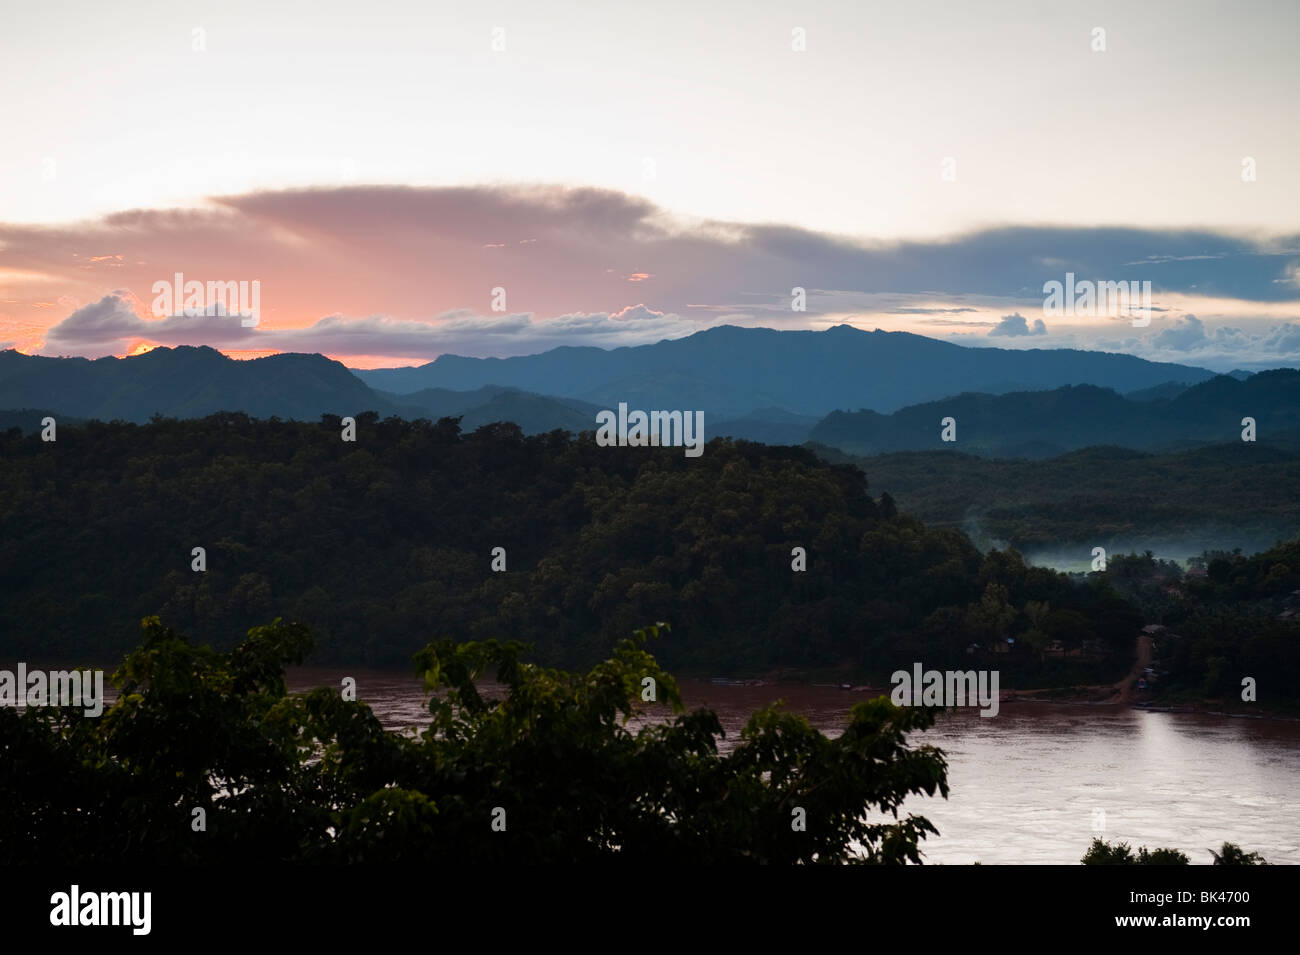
381, 544
1220, 496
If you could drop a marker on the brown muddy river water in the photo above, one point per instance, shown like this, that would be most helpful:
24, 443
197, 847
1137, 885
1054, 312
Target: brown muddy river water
1036, 782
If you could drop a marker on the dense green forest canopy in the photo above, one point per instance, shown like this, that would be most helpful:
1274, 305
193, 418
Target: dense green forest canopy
377, 544
204, 758
1229, 616
1101, 852
1227, 495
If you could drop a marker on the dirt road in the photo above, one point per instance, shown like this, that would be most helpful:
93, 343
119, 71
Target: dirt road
1126, 688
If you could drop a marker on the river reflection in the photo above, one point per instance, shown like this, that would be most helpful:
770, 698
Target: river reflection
1029, 785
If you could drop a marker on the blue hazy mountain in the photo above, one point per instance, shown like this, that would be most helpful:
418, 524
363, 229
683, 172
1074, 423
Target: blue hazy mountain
751, 383
186, 382
28, 420
189, 382
729, 372
766, 425
1045, 423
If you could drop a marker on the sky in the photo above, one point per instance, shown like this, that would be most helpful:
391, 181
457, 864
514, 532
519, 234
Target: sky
495, 178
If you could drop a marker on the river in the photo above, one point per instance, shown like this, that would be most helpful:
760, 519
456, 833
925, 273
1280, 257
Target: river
1035, 783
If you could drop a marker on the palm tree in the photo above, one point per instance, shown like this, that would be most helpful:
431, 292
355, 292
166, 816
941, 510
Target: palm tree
1230, 854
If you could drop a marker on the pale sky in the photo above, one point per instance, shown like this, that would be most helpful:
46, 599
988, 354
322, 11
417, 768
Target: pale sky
703, 110
847, 136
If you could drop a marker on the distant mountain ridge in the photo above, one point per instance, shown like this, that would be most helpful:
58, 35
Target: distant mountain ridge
185, 382
1047, 423
729, 372
28, 420
535, 414
192, 382
755, 384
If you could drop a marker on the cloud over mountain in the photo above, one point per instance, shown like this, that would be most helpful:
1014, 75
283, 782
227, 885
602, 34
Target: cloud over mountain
403, 271
1017, 325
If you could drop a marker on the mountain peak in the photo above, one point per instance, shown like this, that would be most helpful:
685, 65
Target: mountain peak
729, 371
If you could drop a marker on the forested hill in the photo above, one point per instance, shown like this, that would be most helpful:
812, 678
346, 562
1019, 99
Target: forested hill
1238, 494
730, 371
384, 544
1038, 424
185, 382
